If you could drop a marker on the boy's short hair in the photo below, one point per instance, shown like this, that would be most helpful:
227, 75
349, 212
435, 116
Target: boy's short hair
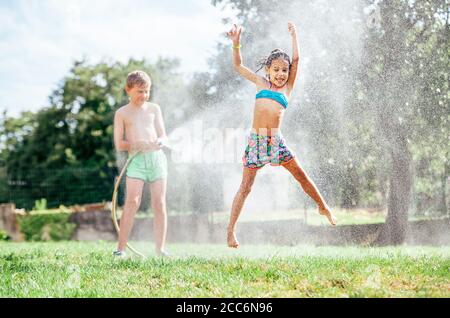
138, 78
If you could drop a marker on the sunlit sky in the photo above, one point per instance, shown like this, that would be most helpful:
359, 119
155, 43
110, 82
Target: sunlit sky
40, 39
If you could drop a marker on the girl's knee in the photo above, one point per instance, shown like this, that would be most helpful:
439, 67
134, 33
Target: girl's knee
301, 178
245, 189
299, 174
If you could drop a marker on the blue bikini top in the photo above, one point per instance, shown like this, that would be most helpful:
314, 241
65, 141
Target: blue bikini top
276, 96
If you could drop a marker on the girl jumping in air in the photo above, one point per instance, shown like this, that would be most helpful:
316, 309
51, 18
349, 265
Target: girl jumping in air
265, 143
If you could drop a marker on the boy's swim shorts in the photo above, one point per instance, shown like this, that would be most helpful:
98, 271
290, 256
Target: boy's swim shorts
148, 166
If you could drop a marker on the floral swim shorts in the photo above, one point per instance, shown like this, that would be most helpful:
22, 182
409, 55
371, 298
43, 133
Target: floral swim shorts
262, 149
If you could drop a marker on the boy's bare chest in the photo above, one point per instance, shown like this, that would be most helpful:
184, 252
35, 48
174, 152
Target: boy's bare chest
140, 119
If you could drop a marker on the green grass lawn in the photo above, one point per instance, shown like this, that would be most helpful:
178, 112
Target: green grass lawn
87, 269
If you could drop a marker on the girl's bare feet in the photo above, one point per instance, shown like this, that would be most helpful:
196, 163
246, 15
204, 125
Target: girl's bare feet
331, 218
231, 239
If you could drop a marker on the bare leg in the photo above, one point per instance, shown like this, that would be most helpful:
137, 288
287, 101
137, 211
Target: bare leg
309, 187
132, 202
248, 177
158, 199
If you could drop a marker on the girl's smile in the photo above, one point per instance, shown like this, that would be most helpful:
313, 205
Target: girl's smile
278, 72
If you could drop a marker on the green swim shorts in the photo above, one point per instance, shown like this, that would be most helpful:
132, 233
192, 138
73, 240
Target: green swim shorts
149, 166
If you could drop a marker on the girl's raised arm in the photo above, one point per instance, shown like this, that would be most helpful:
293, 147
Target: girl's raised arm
295, 57
235, 35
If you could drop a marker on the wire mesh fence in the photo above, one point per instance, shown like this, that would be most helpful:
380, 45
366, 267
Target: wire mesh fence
66, 186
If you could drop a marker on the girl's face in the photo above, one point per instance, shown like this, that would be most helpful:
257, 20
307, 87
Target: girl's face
139, 94
278, 72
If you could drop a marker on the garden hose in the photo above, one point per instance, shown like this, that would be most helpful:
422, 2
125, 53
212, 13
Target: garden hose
114, 202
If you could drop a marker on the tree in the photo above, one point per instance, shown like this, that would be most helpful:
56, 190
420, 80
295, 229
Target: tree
398, 75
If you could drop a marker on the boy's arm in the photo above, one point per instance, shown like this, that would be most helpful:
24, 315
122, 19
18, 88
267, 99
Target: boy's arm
295, 57
119, 142
235, 36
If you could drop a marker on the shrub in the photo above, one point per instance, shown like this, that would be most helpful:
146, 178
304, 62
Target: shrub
46, 226
40, 205
4, 236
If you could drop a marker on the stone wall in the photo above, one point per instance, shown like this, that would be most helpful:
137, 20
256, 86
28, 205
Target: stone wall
93, 225
9, 221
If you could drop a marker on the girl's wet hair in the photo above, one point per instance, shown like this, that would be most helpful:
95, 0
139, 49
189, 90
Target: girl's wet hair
274, 55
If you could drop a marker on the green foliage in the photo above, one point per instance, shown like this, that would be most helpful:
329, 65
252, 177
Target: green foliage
4, 236
40, 205
46, 226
